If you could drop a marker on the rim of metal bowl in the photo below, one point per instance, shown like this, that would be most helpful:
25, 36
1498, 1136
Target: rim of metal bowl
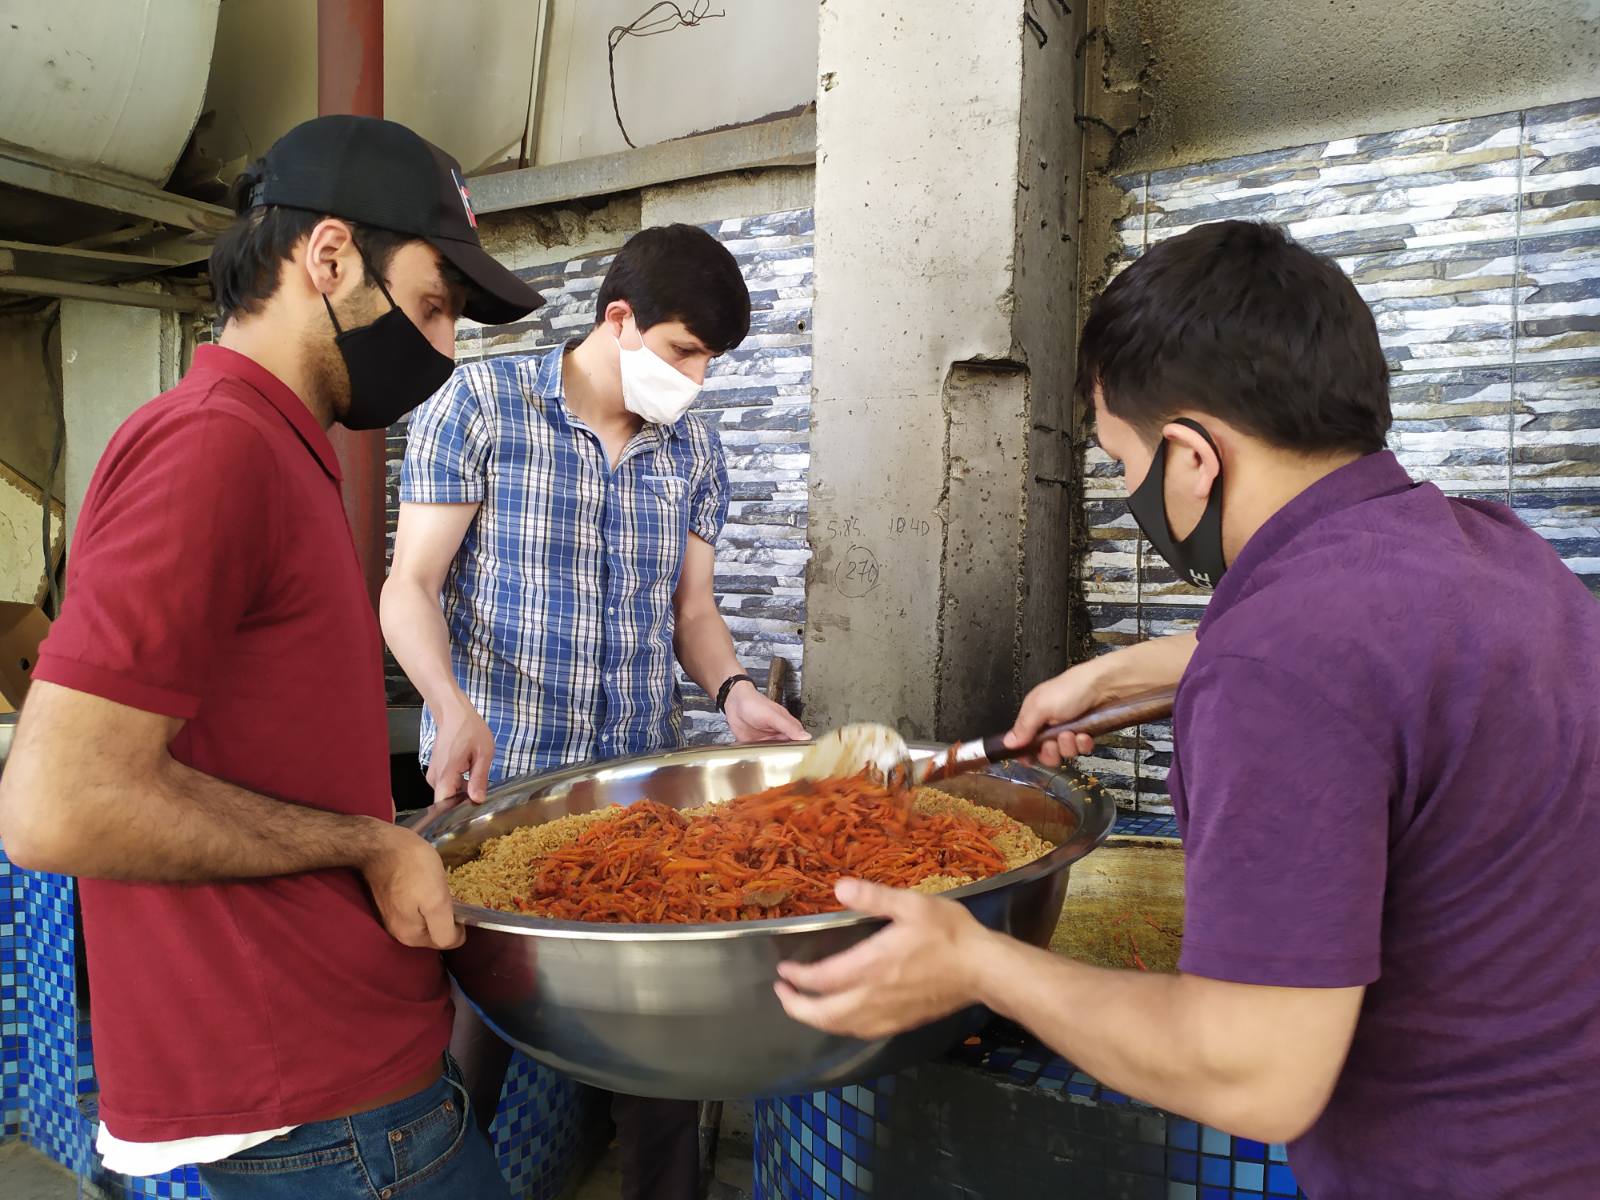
1085, 838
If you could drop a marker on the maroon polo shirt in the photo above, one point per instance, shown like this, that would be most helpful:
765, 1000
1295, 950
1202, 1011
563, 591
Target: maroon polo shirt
1388, 748
213, 578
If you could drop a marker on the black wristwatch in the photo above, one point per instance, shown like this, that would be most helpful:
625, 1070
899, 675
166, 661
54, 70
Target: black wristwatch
727, 686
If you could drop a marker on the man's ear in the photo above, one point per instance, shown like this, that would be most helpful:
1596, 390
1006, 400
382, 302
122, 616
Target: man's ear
1191, 459
616, 315
327, 255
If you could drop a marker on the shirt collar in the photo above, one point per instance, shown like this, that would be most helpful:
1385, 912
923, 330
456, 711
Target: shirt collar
553, 394
219, 360
1367, 478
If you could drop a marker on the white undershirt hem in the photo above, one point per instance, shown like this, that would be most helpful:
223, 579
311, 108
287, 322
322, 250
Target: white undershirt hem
157, 1158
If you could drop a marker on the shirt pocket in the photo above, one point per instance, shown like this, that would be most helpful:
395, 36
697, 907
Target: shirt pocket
307, 1148
661, 525
422, 1146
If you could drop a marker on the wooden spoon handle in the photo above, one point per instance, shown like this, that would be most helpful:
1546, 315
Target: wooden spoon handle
1109, 718
777, 679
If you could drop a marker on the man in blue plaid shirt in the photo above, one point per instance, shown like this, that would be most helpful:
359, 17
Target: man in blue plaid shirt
564, 507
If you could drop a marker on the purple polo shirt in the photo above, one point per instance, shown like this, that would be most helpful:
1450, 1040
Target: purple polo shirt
1388, 774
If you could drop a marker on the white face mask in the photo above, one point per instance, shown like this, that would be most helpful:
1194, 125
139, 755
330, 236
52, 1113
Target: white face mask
652, 388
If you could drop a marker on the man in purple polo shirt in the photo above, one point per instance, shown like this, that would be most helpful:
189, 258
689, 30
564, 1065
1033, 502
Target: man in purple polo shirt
1388, 771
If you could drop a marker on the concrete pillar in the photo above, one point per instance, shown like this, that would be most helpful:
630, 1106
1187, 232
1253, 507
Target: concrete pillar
113, 359
946, 208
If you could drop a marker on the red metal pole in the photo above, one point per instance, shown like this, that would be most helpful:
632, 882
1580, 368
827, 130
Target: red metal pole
350, 80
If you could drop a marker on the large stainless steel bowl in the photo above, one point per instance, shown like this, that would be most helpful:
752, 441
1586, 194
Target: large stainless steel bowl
688, 1011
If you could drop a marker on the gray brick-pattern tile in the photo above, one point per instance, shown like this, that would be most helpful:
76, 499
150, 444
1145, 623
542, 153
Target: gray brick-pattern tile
760, 397
1477, 244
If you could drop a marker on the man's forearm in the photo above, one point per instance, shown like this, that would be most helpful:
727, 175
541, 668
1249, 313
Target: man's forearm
177, 825
1122, 1027
1147, 1035
224, 832
413, 625
1146, 667
705, 649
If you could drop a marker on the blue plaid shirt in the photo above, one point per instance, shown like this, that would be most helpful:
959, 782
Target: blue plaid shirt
559, 604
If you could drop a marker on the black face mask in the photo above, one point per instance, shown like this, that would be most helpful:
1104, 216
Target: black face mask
393, 368
1198, 558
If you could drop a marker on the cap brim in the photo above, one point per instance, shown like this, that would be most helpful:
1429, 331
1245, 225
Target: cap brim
494, 296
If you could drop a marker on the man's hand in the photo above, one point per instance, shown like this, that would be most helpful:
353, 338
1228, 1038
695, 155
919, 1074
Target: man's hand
917, 970
1068, 695
1257, 1061
463, 750
407, 880
705, 650
754, 718
427, 539
1121, 675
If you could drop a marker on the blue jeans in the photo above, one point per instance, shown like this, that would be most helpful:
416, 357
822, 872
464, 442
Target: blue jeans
426, 1147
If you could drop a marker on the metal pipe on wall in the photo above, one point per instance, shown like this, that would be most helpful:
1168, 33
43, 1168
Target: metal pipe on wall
350, 80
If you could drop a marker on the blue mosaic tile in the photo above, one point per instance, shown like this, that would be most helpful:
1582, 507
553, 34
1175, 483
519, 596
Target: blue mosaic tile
544, 1129
1281, 1181
1145, 824
1143, 1146
541, 1128
14, 998
1249, 1176
52, 1122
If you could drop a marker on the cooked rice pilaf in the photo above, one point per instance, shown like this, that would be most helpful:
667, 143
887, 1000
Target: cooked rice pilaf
506, 867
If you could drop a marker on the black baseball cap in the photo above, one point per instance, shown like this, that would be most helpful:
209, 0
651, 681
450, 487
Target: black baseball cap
380, 173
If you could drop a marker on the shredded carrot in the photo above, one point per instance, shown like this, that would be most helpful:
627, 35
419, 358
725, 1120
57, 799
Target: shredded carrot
1171, 933
1133, 949
776, 853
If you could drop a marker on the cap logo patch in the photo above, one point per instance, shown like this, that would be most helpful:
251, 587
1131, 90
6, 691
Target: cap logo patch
466, 198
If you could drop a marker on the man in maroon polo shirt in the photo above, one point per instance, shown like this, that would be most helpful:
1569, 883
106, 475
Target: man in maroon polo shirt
1387, 771
205, 743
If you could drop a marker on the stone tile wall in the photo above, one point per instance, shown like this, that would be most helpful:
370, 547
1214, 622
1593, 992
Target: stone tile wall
1475, 242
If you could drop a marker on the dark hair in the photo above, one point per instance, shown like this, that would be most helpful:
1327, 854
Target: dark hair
680, 273
248, 258
1237, 319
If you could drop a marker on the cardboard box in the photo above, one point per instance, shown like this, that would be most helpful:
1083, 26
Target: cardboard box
23, 568
22, 628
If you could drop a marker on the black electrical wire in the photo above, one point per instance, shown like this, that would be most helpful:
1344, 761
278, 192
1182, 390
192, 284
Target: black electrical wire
644, 26
58, 403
